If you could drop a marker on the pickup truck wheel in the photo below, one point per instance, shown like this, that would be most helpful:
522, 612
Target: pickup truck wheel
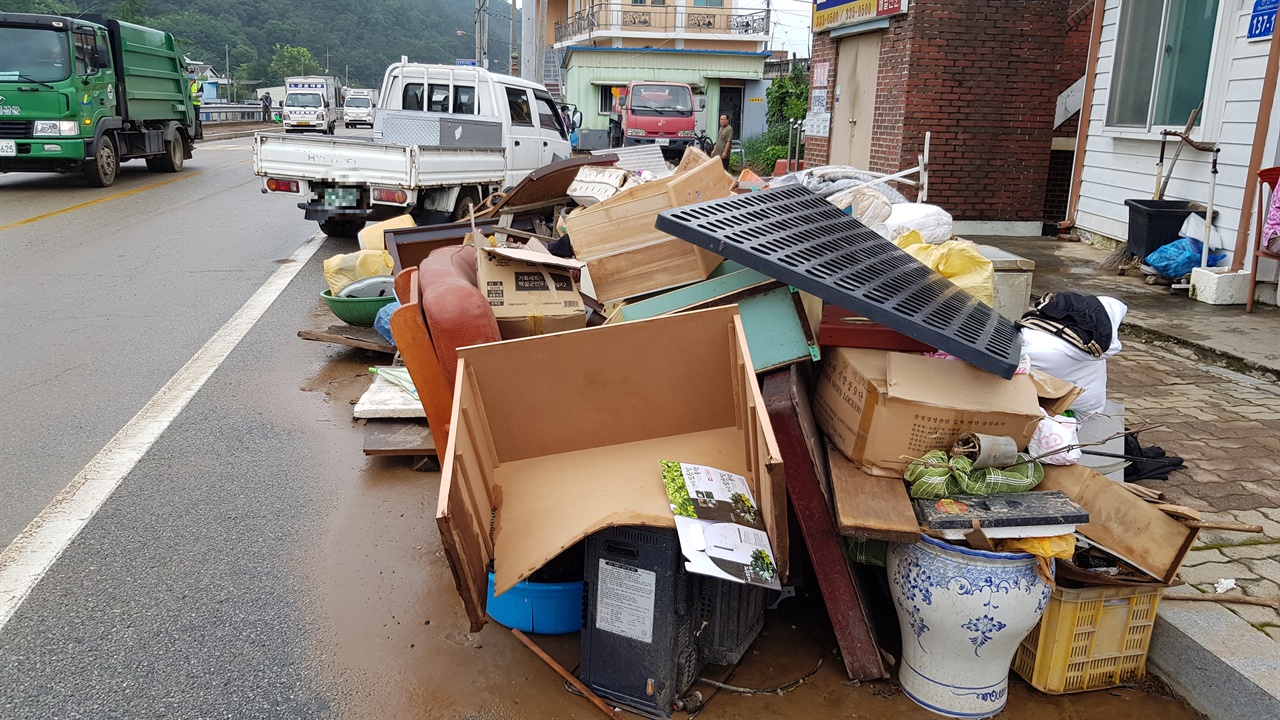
334, 227
102, 171
467, 199
172, 160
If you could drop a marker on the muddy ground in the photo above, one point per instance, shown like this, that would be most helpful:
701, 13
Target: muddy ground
393, 634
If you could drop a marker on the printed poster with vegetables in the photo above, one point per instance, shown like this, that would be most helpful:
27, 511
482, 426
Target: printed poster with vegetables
721, 532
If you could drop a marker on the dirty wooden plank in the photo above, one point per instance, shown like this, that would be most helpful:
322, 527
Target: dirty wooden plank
870, 506
398, 438
785, 397
365, 338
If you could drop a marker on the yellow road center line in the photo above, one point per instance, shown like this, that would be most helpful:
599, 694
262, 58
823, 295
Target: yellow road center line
117, 196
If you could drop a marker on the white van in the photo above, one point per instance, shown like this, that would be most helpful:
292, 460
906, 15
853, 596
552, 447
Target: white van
357, 109
310, 104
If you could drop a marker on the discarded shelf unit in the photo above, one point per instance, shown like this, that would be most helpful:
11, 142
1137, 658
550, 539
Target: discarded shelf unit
797, 237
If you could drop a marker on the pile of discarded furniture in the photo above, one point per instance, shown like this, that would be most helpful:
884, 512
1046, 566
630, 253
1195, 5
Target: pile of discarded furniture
655, 391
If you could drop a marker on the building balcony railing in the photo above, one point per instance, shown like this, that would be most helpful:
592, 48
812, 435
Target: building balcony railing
615, 18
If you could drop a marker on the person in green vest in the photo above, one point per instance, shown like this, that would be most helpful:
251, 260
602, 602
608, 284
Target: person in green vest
197, 92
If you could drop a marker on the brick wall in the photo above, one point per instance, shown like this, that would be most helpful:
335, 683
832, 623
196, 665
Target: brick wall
1058, 184
983, 77
823, 51
1074, 57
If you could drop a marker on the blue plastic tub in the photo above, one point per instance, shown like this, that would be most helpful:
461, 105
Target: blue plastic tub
543, 608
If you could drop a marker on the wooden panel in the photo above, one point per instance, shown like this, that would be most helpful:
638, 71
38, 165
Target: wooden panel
1122, 523
768, 472
669, 263
607, 385
463, 522
870, 506
363, 338
843, 597
397, 438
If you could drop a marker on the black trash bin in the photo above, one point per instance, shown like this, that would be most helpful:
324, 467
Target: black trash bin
1156, 223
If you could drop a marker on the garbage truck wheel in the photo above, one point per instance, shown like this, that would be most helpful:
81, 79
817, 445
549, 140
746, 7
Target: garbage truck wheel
172, 160
102, 171
334, 227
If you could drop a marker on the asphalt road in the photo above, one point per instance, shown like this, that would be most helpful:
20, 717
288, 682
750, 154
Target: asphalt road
183, 596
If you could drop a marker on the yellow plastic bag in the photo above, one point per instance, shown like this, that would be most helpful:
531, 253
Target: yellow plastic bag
959, 262
1044, 548
371, 237
342, 270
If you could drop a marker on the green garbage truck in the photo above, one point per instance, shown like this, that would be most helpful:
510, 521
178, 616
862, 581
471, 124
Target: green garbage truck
85, 94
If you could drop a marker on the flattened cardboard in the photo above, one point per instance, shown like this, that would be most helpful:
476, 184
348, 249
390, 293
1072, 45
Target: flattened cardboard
534, 465
1122, 523
531, 293
882, 408
1055, 395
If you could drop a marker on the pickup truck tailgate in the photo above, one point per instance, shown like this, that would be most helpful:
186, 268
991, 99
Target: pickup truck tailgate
340, 160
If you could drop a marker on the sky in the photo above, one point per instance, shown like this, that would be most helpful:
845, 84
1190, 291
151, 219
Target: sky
791, 22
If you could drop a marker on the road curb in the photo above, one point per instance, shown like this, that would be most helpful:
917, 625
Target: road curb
1220, 664
209, 137
1192, 350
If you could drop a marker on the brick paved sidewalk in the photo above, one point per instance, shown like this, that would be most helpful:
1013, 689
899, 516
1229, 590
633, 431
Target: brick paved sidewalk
1227, 428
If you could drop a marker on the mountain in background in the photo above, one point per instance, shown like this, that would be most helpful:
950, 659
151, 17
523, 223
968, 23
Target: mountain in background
355, 39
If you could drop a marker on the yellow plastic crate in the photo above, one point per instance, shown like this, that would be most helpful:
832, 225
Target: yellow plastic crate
1090, 638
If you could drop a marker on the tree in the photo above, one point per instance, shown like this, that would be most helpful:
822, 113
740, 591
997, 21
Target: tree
788, 96
131, 11
288, 60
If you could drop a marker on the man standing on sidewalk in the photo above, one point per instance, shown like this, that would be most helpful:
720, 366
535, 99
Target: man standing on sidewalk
724, 140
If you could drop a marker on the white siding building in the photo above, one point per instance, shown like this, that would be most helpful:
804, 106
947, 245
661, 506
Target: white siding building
1157, 60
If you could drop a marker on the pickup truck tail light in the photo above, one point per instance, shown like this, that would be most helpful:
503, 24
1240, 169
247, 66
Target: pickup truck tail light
398, 197
286, 186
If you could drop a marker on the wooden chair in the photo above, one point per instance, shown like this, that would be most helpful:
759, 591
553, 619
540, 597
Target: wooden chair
1267, 180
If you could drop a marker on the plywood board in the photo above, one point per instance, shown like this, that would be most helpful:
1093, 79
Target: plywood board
385, 399
1122, 523
870, 506
364, 338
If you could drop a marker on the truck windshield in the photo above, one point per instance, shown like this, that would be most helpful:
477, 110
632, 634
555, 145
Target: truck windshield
661, 100
357, 102
303, 100
33, 54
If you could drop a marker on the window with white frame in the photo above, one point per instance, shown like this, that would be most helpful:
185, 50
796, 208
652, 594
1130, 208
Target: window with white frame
1160, 69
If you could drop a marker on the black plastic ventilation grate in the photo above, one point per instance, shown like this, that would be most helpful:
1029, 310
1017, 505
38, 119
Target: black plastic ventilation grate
797, 237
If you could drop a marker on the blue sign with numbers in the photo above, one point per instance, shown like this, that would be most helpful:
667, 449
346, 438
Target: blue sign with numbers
466, 63
1262, 23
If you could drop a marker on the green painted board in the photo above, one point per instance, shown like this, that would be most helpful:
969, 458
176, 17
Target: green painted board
772, 318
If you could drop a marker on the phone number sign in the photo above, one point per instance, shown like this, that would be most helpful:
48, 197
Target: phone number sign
828, 14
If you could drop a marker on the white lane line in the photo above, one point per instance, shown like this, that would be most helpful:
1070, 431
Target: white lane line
24, 563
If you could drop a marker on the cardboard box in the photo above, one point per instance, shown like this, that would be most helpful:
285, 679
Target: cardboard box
1055, 395
882, 408
1122, 523
555, 437
625, 254
531, 293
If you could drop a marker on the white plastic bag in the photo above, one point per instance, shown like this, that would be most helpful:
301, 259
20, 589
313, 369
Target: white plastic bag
932, 222
1193, 227
1053, 433
868, 206
1064, 361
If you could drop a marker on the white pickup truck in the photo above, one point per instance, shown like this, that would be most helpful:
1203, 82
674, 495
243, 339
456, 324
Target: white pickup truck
444, 138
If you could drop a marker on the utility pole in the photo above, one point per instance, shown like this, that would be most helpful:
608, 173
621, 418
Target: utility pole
326, 61
231, 85
511, 41
482, 33
347, 77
